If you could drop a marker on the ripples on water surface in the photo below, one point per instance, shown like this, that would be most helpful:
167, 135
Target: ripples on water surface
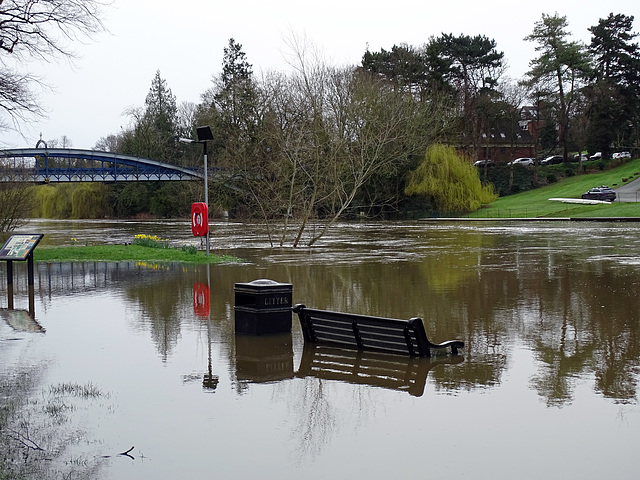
548, 312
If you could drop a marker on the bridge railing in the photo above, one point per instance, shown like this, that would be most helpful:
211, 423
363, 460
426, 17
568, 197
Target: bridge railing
71, 165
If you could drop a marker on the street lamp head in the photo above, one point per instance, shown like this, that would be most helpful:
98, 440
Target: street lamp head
186, 140
204, 133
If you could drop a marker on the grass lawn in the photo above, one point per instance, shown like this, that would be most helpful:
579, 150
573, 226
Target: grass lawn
536, 203
121, 253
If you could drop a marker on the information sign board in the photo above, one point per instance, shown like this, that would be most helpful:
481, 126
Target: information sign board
19, 246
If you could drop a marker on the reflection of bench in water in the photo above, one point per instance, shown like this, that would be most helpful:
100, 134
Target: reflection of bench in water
369, 333
269, 358
370, 368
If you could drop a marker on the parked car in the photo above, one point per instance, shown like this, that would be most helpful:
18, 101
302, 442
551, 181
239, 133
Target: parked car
622, 155
482, 163
600, 193
552, 160
580, 157
521, 161
596, 156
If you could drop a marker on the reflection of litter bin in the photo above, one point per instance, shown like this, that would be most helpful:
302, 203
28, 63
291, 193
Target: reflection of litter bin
263, 307
266, 358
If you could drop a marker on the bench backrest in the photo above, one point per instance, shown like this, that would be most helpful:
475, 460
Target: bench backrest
364, 332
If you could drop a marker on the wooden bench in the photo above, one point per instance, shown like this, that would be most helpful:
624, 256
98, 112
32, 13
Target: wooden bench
363, 332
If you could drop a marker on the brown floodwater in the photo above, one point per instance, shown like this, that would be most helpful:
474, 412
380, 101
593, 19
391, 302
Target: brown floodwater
128, 355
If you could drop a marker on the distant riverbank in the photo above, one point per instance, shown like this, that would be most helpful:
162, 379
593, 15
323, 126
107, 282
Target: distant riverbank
535, 219
536, 204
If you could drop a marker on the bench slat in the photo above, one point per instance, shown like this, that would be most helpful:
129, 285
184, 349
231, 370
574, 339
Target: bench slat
369, 339
325, 336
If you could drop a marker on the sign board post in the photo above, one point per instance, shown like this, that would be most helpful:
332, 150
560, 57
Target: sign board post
10, 284
19, 248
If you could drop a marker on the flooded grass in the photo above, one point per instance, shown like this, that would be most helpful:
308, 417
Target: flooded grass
71, 389
37, 430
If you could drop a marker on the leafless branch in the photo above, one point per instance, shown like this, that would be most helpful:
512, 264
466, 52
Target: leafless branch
23, 439
38, 29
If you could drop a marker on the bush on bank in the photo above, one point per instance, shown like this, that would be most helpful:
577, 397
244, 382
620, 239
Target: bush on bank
97, 200
450, 181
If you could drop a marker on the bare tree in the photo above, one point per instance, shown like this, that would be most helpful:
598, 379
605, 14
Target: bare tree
329, 132
110, 143
324, 142
16, 200
38, 29
513, 96
375, 128
17, 101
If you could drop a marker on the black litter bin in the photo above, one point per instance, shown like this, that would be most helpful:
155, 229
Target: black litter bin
263, 307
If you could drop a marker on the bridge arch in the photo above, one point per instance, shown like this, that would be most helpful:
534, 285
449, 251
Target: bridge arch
60, 165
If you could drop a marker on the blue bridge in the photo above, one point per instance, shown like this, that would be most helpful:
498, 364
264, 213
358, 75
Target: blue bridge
56, 165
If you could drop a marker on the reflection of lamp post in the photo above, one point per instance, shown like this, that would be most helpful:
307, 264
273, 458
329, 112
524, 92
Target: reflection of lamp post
204, 134
209, 380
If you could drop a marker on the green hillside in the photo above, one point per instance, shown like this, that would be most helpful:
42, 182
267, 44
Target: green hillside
536, 203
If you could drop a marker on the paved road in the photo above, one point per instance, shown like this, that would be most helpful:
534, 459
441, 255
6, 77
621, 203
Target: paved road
629, 192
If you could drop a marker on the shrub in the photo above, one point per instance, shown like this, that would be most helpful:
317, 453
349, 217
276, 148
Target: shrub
90, 200
150, 241
190, 249
450, 181
78, 200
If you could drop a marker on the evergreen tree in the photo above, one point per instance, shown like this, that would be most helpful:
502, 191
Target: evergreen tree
160, 106
403, 66
560, 68
230, 108
612, 48
154, 130
469, 64
470, 67
153, 135
614, 95
236, 93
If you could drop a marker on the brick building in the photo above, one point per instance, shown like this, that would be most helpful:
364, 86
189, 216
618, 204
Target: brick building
506, 140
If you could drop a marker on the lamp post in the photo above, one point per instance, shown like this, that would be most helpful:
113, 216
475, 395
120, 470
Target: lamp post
204, 134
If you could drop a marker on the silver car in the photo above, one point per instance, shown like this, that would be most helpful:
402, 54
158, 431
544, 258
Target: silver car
622, 155
522, 161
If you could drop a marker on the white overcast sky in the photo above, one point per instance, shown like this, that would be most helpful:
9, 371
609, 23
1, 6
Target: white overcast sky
185, 41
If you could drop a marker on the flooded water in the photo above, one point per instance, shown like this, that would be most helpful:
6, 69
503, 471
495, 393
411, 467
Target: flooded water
128, 355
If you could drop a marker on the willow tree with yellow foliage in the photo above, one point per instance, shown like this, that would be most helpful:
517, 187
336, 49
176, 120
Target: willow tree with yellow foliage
450, 181
77, 200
